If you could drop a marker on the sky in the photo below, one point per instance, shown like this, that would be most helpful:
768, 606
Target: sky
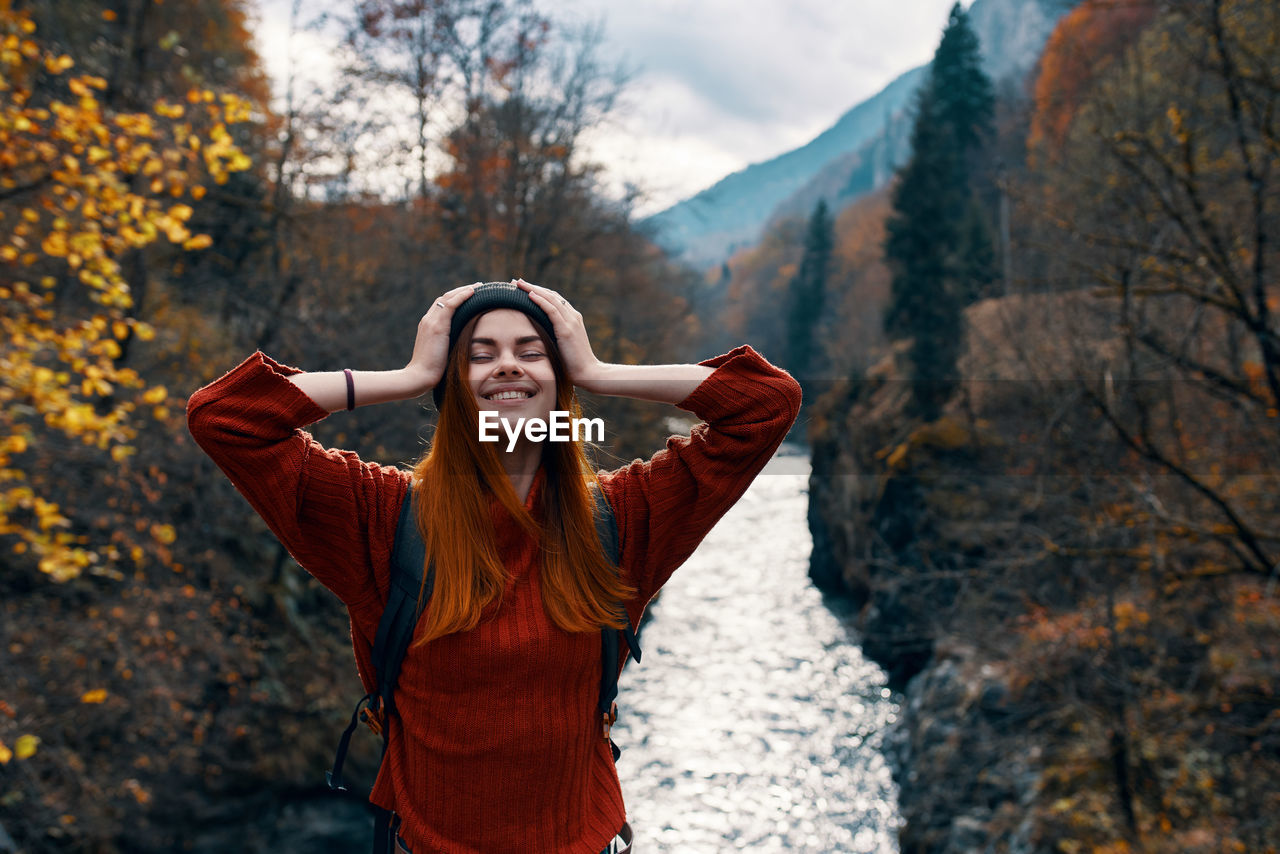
717, 84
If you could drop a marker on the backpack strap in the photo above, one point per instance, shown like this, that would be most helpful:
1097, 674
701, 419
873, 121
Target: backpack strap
395, 630
607, 531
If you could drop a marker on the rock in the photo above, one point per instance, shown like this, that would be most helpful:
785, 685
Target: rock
824, 569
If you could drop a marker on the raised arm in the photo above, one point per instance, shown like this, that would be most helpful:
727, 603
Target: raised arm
331, 391
330, 509
668, 504
659, 383
335, 513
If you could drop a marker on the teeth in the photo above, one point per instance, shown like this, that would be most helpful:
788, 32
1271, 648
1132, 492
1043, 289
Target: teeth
509, 395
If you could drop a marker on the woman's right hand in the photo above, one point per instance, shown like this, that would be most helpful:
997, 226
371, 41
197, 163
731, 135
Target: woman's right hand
431, 349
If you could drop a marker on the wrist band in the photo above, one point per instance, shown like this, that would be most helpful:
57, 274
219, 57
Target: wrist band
351, 390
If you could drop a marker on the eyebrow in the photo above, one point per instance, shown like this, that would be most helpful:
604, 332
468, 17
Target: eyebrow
490, 342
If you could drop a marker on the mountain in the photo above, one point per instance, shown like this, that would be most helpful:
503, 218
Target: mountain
713, 224
857, 154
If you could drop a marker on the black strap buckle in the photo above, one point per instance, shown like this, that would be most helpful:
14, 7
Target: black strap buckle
609, 718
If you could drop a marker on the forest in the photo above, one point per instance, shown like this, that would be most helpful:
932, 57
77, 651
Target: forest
1041, 373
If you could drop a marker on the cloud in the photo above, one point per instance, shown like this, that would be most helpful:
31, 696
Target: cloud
720, 84
731, 83
767, 60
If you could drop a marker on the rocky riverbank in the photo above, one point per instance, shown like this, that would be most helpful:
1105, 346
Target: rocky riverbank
1064, 674
952, 764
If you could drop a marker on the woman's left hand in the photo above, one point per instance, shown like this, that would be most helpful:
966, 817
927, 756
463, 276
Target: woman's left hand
571, 333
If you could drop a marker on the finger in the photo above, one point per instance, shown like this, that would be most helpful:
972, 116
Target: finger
553, 299
531, 289
464, 291
535, 289
452, 299
546, 302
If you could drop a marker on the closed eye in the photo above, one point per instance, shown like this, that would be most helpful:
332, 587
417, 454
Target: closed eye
531, 354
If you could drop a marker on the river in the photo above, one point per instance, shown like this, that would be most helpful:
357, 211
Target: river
754, 723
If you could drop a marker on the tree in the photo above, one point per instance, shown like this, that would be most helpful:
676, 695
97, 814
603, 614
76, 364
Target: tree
81, 186
401, 47
806, 295
1157, 166
938, 264
1165, 201
1085, 43
516, 192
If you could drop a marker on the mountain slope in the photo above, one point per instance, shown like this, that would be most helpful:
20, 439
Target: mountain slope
711, 225
854, 156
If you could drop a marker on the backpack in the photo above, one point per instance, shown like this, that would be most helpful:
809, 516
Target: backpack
395, 631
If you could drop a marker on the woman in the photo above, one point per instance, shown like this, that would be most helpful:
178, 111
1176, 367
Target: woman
495, 745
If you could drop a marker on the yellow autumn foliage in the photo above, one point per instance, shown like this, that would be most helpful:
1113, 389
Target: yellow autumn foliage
71, 207
25, 747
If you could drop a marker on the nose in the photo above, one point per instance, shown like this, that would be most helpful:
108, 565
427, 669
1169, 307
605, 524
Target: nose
506, 364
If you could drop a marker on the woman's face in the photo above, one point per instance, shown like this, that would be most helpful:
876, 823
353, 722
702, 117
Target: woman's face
509, 368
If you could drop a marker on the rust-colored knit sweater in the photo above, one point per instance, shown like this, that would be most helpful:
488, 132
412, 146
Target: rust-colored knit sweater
497, 746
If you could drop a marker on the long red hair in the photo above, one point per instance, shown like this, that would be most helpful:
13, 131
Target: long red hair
454, 483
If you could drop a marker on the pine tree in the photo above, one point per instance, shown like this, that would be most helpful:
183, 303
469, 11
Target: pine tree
976, 270
807, 294
965, 98
935, 248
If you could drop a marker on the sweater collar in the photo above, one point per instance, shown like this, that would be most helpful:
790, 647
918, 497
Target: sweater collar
535, 489
532, 501
508, 533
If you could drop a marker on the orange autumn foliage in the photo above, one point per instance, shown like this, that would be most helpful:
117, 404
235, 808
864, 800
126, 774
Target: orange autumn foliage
1081, 47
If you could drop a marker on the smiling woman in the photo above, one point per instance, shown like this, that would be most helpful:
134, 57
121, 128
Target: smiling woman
495, 739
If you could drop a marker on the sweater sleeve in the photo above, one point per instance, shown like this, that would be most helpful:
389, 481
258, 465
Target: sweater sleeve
334, 513
666, 506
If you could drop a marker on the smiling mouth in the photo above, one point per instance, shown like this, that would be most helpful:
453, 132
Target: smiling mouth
509, 395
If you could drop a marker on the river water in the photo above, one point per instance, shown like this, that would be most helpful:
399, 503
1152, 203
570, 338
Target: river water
754, 722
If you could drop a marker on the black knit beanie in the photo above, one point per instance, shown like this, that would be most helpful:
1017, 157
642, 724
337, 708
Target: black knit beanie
487, 297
